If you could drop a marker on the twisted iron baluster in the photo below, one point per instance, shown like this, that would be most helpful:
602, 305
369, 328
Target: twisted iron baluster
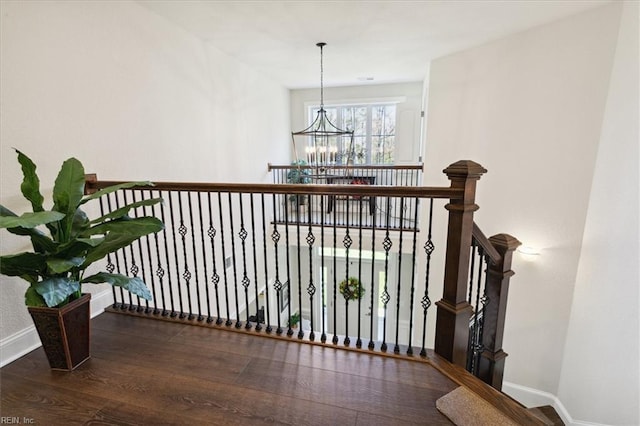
386, 244
233, 258
200, 317
186, 274
175, 258
243, 234
396, 348
204, 261
166, 253
311, 288
159, 270
346, 242
413, 276
277, 285
224, 264
215, 277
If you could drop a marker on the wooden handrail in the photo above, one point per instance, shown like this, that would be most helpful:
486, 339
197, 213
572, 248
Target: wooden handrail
268, 188
486, 245
418, 166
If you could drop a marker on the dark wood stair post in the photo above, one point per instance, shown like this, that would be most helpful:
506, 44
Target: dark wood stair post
453, 312
491, 366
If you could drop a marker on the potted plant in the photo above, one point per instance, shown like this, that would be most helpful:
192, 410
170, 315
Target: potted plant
56, 268
294, 320
299, 175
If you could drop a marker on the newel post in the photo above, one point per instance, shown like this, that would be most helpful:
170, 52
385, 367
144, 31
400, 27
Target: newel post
491, 365
453, 313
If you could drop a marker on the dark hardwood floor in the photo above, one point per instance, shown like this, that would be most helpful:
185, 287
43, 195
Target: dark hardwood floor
149, 372
145, 372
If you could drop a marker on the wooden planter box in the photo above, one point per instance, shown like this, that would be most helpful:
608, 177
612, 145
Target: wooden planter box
64, 332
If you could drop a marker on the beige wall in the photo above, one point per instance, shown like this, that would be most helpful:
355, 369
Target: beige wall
133, 97
530, 108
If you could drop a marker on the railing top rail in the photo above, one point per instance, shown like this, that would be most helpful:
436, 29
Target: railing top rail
93, 185
419, 166
484, 242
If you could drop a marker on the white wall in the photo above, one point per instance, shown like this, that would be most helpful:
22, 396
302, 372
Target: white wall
600, 370
530, 108
408, 111
133, 97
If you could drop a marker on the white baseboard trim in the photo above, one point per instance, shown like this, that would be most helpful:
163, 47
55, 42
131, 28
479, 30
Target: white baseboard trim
530, 397
26, 340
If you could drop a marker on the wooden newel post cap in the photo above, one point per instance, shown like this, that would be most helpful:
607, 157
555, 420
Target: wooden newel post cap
505, 242
465, 169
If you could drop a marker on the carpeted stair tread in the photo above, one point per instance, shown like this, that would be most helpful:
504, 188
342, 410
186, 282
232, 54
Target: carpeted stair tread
465, 408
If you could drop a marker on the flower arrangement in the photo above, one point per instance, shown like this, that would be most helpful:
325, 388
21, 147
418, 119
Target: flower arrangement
351, 289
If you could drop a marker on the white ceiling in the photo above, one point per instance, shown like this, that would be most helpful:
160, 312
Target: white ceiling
391, 41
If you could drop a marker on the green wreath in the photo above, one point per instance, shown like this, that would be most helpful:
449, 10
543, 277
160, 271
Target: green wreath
351, 289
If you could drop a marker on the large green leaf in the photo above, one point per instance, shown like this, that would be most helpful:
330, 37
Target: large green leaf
30, 220
80, 223
17, 265
30, 186
67, 194
60, 265
134, 285
77, 247
122, 211
32, 298
56, 290
114, 188
111, 243
41, 243
139, 226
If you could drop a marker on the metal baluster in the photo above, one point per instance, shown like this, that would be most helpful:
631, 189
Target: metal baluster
142, 268
134, 268
396, 348
233, 261
386, 244
359, 338
204, 258
311, 288
224, 263
159, 270
413, 277
258, 326
215, 277
477, 312
277, 285
186, 274
195, 259
151, 274
175, 256
484, 300
429, 247
166, 252
266, 266
245, 278
373, 283
110, 266
323, 335
204, 261
347, 241
335, 283
288, 263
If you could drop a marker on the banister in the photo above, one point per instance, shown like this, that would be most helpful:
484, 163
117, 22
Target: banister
486, 245
419, 166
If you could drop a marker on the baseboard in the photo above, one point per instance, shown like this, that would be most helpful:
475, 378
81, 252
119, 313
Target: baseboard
530, 397
26, 340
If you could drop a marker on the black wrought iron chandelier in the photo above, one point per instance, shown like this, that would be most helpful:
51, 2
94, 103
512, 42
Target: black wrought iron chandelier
326, 144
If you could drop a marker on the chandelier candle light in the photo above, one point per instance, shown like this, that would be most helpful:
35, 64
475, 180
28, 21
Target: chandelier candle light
323, 137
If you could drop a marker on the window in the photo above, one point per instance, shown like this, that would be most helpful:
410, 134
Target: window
374, 127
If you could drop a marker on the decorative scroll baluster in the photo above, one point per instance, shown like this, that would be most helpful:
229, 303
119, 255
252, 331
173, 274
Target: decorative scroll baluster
396, 348
224, 263
323, 277
245, 278
110, 266
359, 338
311, 288
277, 285
346, 242
429, 247
288, 267
186, 274
373, 305
385, 297
204, 261
195, 264
215, 277
413, 276
233, 262
159, 272
258, 326
175, 255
